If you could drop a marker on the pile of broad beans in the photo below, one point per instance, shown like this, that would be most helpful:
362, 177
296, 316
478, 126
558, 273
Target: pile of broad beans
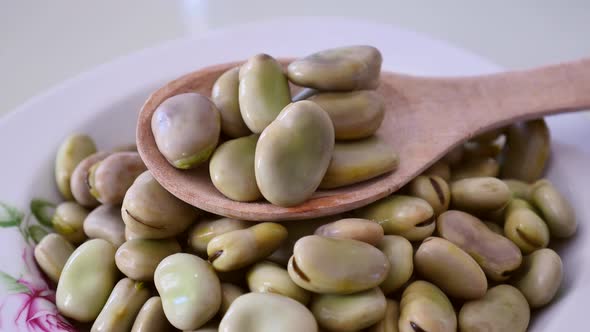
464, 246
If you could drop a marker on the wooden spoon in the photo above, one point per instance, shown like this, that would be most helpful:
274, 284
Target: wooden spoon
424, 119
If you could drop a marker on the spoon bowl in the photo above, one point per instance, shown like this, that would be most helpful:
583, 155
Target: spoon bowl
424, 119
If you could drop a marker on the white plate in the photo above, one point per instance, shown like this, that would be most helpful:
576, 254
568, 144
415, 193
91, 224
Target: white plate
104, 103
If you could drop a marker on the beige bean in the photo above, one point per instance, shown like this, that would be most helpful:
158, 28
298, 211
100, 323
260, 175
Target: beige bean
151, 318
267, 277
399, 253
229, 293
527, 150
390, 321
225, 95
350, 312
105, 222
526, 229
70, 153
539, 277
434, 190
450, 268
339, 266
52, 253
555, 209
79, 180
353, 228
239, 248
424, 307
204, 231
68, 220
497, 255
127, 297
110, 178
479, 194
139, 258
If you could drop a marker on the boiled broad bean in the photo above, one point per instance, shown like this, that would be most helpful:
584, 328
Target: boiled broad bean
497, 255
527, 150
190, 290
52, 253
225, 95
352, 312
204, 231
424, 307
239, 248
267, 277
110, 178
539, 277
263, 91
267, 312
502, 309
186, 129
232, 169
357, 161
339, 266
353, 228
70, 153
139, 258
68, 220
105, 222
434, 190
399, 253
338, 69
151, 317
410, 217
149, 211
355, 114
293, 154
556, 210
127, 297
79, 180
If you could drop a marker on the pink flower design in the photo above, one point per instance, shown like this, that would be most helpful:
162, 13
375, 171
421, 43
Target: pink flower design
34, 309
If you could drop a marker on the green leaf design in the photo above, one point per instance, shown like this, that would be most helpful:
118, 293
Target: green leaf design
37, 233
9, 216
43, 211
11, 284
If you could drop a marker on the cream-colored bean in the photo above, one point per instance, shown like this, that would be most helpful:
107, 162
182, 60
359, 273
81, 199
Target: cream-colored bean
434, 190
267, 277
52, 253
204, 231
424, 307
110, 178
539, 277
70, 153
353, 228
229, 293
151, 318
68, 220
400, 254
105, 222
139, 258
225, 95
389, 323
79, 180
479, 194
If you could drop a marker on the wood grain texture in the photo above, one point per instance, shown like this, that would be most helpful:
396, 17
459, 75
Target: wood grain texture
424, 119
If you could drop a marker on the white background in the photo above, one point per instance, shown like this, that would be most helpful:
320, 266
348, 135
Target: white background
45, 42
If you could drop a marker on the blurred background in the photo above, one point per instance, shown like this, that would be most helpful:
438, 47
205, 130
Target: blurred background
45, 42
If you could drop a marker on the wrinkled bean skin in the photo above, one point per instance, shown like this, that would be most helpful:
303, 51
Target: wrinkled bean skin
519, 189
225, 96
484, 167
105, 222
189, 289
70, 153
343, 313
399, 253
139, 258
151, 212
266, 312
502, 309
497, 255
232, 169
440, 168
173, 125
410, 217
205, 230
390, 321
263, 91
79, 180
555, 209
434, 190
229, 293
127, 297
267, 277
355, 114
481, 194
424, 307
337, 266
68, 220
293, 154
52, 253
353, 228
239, 248
526, 229
539, 277
87, 280
110, 178
527, 151
450, 268
151, 317
357, 161
338, 69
